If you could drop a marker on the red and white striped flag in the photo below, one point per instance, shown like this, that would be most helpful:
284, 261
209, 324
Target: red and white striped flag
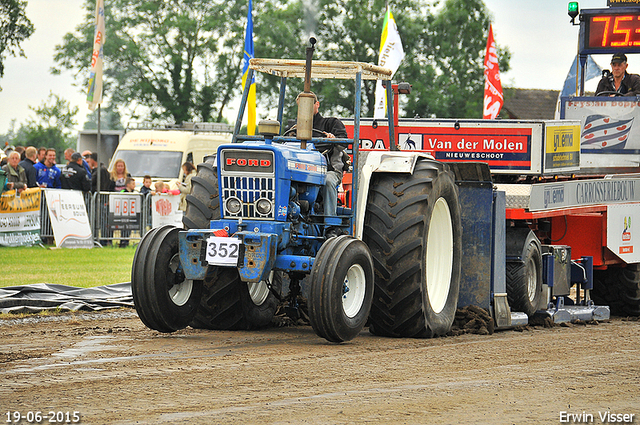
493, 98
94, 92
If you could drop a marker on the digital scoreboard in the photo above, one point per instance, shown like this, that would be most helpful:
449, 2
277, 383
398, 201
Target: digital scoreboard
610, 30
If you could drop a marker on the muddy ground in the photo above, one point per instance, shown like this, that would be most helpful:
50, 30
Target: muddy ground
111, 369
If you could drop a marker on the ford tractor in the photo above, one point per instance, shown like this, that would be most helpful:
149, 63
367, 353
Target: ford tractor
255, 219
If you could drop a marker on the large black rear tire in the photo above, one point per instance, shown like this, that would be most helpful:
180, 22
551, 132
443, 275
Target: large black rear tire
203, 203
341, 289
413, 229
164, 299
228, 303
619, 288
524, 278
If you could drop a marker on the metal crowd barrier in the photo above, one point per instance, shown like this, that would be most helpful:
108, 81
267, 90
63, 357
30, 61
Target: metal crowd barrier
97, 205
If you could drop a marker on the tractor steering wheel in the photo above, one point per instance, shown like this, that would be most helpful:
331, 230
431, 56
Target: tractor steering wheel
609, 93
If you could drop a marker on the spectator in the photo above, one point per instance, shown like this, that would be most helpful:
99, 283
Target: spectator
106, 184
42, 152
185, 187
16, 177
129, 185
28, 164
146, 185
85, 164
119, 174
74, 176
162, 187
67, 154
20, 150
47, 174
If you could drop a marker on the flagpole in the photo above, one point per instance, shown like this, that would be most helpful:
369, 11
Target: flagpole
99, 153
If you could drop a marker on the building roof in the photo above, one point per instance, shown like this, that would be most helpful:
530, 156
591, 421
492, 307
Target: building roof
529, 104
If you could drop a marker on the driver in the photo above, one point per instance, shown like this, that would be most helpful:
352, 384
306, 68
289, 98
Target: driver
330, 128
619, 82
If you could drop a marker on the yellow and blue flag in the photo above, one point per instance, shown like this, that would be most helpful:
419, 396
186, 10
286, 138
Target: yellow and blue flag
248, 54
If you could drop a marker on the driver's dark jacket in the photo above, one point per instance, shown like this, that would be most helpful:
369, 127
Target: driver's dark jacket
630, 85
335, 127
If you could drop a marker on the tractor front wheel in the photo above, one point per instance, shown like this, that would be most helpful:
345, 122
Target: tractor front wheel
341, 289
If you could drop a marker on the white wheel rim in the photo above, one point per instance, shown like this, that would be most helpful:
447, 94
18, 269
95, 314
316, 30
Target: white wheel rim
180, 292
353, 290
439, 256
259, 291
532, 279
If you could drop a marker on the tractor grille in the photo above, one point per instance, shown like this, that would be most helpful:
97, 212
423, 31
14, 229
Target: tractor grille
248, 190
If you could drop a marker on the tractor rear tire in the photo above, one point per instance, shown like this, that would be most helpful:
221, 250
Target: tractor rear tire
341, 289
203, 203
164, 299
619, 288
227, 303
413, 229
524, 279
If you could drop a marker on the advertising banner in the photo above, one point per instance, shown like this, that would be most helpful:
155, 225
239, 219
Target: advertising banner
610, 131
125, 211
20, 218
622, 232
562, 147
69, 219
504, 144
578, 193
164, 210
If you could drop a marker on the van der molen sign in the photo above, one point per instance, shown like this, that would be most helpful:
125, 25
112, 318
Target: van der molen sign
583, 192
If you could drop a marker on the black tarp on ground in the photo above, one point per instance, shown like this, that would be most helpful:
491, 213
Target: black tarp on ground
45, 296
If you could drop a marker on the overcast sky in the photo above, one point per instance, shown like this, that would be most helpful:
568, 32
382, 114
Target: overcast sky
538, 34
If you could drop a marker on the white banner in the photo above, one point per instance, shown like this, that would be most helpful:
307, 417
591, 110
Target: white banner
391, 54
164, 210
622, 231
69, 219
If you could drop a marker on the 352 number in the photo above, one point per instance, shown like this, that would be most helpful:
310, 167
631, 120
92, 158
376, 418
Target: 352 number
222, 250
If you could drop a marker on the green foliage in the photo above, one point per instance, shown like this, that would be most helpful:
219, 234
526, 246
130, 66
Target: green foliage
181, 61
51, 127
177, 60
84, 268
15, 27
110, 119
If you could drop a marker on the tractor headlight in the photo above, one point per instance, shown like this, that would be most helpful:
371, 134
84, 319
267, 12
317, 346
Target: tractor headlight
233, 205
264, 206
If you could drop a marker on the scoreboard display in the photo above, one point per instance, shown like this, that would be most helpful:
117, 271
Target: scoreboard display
610, 30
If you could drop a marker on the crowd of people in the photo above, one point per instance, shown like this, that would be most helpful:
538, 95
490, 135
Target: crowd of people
27, 167
30, 167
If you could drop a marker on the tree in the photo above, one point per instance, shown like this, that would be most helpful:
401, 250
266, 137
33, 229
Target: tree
176, 60
444, 52
180, 60
52, 126
15, 27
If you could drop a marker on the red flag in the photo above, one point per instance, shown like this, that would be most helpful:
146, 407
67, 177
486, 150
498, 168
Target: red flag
493, 98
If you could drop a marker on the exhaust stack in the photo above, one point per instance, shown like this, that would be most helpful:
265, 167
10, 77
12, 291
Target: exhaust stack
306, 101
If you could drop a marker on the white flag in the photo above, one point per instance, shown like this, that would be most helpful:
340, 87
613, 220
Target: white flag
94, 92
391, 54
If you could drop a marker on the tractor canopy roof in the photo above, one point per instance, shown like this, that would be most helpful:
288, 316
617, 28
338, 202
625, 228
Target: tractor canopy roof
320, 69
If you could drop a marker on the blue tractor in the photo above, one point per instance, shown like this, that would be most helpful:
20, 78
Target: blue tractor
254, 219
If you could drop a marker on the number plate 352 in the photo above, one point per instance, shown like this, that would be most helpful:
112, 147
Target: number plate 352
222, 251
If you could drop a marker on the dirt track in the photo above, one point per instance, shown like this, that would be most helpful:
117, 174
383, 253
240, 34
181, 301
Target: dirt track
115, 370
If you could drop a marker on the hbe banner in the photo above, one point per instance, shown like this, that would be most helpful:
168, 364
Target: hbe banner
124, 211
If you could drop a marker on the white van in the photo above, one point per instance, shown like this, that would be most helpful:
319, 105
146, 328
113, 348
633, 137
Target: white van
161, 153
